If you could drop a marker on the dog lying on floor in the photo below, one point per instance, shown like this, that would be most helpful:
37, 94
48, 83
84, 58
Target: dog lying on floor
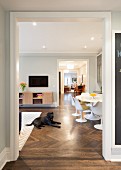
46, 120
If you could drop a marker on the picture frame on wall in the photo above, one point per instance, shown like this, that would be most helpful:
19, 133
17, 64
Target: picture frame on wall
74, 79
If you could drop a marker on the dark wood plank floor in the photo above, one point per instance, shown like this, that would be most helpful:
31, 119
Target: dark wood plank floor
75, 146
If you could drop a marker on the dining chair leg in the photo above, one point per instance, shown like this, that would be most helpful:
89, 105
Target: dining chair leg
99, 126
82, 118
76, 113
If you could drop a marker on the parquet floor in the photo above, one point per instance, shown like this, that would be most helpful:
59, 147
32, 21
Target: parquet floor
74, 146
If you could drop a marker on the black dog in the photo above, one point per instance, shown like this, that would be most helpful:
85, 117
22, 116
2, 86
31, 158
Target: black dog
46, 120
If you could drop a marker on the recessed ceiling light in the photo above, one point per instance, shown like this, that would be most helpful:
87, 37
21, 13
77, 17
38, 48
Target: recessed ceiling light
34, 23
85, 46
70, 66
43, 46
92, 38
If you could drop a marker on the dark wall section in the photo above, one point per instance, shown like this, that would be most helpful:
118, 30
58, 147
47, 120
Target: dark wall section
118, 88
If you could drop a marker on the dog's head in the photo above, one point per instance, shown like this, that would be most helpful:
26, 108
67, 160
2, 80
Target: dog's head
50, 115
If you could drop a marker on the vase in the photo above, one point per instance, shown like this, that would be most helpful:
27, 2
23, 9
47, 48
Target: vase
22, 88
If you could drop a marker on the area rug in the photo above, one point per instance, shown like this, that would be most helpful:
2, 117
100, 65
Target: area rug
27, 118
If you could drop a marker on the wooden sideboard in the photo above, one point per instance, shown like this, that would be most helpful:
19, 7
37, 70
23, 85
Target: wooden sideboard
36, 98
66, 89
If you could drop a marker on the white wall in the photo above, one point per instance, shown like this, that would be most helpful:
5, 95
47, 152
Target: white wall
47, 65
4, 87
39, 66
116, 21
7, 72
2, 81
83, 71
92, 74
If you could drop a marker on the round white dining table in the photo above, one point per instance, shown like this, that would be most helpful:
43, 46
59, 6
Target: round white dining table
92, 100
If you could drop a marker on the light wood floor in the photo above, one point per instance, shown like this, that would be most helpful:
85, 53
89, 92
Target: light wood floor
76, 146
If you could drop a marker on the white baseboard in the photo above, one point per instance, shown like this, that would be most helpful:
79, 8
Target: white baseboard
4, 157
116, 160
54, 104
116, 151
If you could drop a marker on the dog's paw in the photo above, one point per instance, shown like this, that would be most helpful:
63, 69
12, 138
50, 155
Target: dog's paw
38, 127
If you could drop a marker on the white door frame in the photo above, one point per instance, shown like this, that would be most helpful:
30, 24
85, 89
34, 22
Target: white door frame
62, 72
14, 72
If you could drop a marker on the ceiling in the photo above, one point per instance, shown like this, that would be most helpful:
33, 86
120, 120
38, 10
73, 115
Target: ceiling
77, 64
61, 5
61, 37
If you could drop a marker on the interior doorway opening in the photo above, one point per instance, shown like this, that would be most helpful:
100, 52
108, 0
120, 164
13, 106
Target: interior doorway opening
77, 74
107, 78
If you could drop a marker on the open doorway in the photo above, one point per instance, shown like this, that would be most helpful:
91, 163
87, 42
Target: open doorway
14, 91
74, 73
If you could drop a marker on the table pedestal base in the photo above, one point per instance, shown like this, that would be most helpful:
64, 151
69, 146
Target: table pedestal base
98, 126
76, 114
92, 116
81, 120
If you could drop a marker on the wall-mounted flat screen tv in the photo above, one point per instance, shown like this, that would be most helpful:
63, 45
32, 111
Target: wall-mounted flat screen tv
38, 81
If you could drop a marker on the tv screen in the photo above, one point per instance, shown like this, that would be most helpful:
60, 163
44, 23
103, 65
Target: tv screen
38, 81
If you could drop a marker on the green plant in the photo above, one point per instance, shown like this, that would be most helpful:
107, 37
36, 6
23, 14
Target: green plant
23, 85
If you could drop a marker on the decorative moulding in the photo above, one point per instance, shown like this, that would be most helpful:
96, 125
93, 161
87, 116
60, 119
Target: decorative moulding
4, 157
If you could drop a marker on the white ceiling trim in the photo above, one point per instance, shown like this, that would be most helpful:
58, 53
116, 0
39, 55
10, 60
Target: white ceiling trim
61, 5
59, 54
